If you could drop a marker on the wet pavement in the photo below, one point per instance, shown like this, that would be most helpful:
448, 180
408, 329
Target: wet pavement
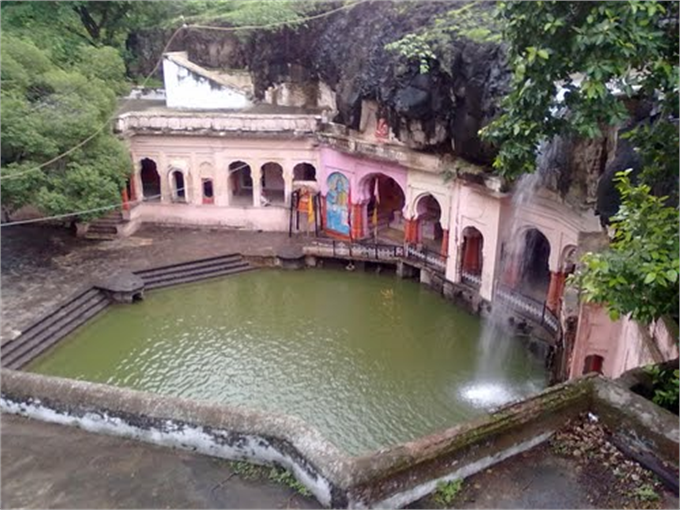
55, 466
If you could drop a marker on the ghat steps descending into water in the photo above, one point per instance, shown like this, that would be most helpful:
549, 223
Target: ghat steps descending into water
192, 271
85, 304
53, 327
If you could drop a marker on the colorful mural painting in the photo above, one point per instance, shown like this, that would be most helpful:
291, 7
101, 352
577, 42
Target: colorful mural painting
337, 204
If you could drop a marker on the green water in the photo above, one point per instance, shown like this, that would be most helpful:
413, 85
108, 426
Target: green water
370, 360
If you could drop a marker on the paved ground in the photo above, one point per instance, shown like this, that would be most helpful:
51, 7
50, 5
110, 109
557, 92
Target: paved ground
54, 466
42, 265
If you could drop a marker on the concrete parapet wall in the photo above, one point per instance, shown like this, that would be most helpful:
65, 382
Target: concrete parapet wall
268, 219
391, 477
177, 122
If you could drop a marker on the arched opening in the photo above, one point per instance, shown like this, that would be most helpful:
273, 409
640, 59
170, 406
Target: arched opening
568, 263
304, 172
535, 271
471, 256
428, 214
593, 363
240, 184
178, 186
385, 205
208, 192
151, 180
273, 185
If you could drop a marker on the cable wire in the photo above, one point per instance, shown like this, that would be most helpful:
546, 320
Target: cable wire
158, 62
230, 172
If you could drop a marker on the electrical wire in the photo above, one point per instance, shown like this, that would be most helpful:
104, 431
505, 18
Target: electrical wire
155, 68
230, 172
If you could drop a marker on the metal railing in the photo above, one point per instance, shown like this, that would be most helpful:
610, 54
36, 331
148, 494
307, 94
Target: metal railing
528, 307
379, 251
430, 259
473, 280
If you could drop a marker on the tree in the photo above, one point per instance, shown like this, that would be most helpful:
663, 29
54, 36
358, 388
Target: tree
48, 109
638, 274
600, 53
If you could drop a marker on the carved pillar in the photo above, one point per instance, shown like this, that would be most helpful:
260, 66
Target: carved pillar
555, 290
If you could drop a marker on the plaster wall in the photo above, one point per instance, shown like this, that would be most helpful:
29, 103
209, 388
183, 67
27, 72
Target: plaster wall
186, 89
217, 124
270, 219
421, 184
624, 344
557, 222
475, 206
356, 170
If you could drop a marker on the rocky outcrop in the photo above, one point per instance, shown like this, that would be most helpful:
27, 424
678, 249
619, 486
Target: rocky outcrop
439, 111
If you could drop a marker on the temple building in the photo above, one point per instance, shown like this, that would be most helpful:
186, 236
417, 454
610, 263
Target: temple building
207, 153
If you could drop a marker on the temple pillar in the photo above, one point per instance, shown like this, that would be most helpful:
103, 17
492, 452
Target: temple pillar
287, 188
444, 251
357, 222
125, 199
555, 290
256, 177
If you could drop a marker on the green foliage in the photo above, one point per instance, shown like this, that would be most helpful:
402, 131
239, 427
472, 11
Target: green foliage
49, 106
414, 47
623, 49
646, 493
447, 492
240, 13
285, 477
275, 474
638, 275
666, 385
473, 21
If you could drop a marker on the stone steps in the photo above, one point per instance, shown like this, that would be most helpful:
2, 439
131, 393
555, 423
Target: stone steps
53, 327
105, 227
193, 271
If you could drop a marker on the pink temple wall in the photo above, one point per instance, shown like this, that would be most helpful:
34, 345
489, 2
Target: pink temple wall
624, 344
356, 169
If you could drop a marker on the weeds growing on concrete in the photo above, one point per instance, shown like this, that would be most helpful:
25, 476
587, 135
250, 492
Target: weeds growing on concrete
447, 492
276, 474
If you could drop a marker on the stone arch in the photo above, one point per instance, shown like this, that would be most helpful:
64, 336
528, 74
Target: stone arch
272, 182
473, 245
151, 180
180, 184
593, 363
428, 213
240, 183
534, 264
568, 259
384, 200
304, 172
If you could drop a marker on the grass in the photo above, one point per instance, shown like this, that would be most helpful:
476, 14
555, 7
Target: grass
447, 492
274, 474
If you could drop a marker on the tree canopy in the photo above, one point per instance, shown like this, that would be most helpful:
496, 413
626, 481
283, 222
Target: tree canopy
574, 65
48, 107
